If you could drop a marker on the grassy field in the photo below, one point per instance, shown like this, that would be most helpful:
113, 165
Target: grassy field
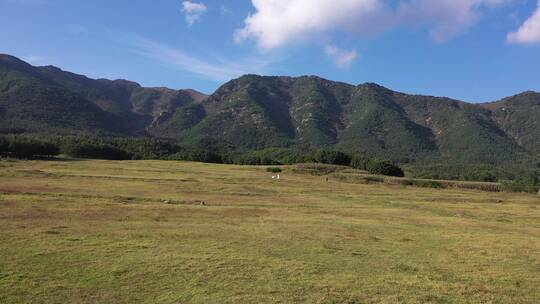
135, 232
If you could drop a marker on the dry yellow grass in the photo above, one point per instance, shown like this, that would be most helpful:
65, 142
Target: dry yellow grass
100, 232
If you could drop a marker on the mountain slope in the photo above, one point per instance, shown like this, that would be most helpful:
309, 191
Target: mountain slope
127, 108
31, 102
519, 117
256, 112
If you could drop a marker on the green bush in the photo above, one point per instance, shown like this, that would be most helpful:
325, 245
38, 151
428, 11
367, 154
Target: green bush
4, 144
407, 182
428, 184
197, 155
384, 168
26, 147
527, 184
360, 162
317, 169
491, 187
267, 157
480, 173
374, 179
254, 159
332, 157
97, 151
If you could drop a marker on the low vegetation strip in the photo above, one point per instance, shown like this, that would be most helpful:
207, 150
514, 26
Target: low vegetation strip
422, 183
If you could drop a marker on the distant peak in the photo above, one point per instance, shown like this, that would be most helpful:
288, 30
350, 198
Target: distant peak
196, 95
12, 59
9, 57
50, 68
527, 93
373, 85
123, 82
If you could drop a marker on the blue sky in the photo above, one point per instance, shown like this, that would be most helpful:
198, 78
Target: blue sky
474, 50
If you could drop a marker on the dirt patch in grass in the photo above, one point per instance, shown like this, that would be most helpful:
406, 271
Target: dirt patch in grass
244, 212
29, 189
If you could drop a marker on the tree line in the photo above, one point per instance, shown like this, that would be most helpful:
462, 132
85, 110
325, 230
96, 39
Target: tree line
142, 148
121, 148
23, 147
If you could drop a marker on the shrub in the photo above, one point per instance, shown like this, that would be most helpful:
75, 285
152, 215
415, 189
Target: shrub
316, 169
23, 147
274, 170
3, 146
254, 159
97, 151
429, 184
360, 162
491, 187
481, 173
527, 184
406, 182
374, 179
332, 157
270, 156
385, 168
197, 155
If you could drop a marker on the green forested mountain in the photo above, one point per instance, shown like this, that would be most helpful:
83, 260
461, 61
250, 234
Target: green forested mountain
47, 99
256, 112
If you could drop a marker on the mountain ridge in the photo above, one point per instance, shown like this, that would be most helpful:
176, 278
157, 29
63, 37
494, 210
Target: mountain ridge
257, 112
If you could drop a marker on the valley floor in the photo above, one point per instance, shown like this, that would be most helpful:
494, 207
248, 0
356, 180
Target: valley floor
136, 232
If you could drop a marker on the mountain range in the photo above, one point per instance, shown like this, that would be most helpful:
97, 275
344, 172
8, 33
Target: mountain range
257, 112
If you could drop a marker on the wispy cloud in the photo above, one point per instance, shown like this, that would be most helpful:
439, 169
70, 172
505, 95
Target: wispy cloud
223, 10
193, 11
342, 58
215, 69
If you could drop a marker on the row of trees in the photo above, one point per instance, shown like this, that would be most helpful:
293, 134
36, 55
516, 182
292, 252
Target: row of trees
282, 156
527, 183
137, 148
22, 147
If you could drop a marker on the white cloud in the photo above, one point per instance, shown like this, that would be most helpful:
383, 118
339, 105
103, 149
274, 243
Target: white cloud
279, 22
342, 58
216, 69
193, 11
529, 32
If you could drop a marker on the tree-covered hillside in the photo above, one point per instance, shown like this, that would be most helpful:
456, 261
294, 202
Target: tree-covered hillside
255, 112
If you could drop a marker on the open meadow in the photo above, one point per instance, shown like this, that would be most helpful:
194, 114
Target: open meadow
137, 232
